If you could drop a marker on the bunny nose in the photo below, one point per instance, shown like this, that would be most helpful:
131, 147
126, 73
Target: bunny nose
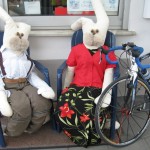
94, 31
20, 35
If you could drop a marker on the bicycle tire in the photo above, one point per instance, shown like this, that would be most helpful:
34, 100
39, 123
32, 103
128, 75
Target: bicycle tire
137, 123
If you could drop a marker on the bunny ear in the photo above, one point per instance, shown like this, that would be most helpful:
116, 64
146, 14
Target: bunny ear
78, 24
5, 17
101, 16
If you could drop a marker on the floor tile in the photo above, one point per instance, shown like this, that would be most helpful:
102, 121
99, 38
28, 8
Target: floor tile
52, 149
138, 145
147, 140
101, 147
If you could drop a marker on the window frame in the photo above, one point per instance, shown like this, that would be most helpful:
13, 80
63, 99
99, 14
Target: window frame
64, 22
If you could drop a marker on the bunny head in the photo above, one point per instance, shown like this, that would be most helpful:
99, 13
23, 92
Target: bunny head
15, 34
16, 37
94, 34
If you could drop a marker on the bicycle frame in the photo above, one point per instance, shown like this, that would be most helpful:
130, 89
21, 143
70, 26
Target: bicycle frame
130, 103
134, 53
133, 73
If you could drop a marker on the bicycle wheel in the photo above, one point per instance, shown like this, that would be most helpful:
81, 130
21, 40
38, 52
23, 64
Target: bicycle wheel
133, 122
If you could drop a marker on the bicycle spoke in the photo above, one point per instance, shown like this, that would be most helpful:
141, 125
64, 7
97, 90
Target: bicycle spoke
138, 117
132, 122
132, 129
136, 122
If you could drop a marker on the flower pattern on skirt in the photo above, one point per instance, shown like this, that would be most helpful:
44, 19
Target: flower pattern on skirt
75, 114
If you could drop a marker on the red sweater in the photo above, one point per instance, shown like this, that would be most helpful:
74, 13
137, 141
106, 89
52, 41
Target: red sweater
89, 70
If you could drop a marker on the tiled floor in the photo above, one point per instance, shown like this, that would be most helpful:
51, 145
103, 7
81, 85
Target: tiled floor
58, 141
142, 144
139, 145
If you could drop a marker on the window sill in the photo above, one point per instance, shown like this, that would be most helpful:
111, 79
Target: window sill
67, 32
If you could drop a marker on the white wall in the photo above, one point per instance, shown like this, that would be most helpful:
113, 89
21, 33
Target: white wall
138, 24
59, 47
44, 48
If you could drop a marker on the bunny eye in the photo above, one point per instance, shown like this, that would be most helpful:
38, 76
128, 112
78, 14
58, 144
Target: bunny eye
22, 34
97, 30
92, 31
17, 33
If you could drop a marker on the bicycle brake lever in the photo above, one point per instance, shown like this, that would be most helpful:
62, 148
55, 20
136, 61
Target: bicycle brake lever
131, 44
124, 46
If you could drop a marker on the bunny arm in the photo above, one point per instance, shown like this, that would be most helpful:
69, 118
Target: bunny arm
43, 88
108, 78
5, 17
5, 108
69, 76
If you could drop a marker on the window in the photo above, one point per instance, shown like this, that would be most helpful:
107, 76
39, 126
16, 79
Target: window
58, 7
60, 14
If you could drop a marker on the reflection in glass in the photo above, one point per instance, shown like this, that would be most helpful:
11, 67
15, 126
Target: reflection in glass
16, 7
54, 7
36, 7
112, 3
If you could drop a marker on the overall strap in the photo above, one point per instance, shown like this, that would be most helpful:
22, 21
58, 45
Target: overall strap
31, 64
1, 65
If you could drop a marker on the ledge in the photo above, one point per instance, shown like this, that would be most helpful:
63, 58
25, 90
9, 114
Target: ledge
67, 32
123, 32
52, 32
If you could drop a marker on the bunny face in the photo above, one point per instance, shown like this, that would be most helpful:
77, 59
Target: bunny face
16, 36
15, 33
93, 35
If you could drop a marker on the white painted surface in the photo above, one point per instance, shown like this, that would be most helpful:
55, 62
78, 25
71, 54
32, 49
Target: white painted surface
138, 24
146, 11
43, 48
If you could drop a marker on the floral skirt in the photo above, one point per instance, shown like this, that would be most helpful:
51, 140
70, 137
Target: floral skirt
75, 114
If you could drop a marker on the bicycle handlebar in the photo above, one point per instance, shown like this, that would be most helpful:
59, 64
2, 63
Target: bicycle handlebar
135, 50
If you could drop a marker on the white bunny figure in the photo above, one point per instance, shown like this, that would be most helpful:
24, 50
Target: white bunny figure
86, 76
24, 96
94, 35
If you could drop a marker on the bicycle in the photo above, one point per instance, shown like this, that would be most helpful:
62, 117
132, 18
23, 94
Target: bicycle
130, 106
